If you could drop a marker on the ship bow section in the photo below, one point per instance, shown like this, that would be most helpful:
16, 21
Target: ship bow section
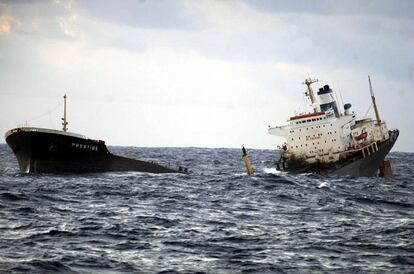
43, 150
20, 144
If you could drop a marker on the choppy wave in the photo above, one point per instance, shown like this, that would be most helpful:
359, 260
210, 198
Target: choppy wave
214, 220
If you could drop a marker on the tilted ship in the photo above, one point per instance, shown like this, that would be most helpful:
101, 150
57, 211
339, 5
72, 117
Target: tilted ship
325, 140
53, 151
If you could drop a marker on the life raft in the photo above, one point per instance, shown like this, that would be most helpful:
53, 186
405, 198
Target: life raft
362, 136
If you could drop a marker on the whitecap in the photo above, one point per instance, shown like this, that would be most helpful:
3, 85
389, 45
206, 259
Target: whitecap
271, 170
323, 184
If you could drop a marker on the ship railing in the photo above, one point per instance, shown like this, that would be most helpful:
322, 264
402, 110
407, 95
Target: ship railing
366, 149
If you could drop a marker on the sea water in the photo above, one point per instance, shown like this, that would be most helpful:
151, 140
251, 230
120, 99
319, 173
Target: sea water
214, 220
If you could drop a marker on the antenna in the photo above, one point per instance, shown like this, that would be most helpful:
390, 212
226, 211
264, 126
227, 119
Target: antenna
308, 82
373, 102
65, 123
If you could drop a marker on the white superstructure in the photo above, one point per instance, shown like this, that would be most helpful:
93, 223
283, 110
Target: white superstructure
325, 134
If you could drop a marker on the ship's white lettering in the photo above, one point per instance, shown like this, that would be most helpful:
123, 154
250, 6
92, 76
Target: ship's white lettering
84, 146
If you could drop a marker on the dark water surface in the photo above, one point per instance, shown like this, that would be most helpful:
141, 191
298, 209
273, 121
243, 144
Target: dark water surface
215, 220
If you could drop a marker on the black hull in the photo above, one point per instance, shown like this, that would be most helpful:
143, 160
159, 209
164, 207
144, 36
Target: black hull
39, 150
357, 165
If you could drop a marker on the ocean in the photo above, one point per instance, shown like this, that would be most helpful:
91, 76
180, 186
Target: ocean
214, 220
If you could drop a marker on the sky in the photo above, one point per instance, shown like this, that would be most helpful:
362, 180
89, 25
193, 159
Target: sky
200, 73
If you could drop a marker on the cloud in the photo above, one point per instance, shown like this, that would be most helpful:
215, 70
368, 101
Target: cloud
67, 21
163, 14
67, 25
171, 77
224, 69
383, 8
5, 26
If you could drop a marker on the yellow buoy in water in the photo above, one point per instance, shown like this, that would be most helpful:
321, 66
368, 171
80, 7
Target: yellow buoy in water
246, 160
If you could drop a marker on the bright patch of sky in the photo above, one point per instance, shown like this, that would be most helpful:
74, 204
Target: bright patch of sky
200, 73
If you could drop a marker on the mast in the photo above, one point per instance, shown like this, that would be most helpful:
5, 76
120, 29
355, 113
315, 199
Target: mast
373, 102
309, 93
65, 123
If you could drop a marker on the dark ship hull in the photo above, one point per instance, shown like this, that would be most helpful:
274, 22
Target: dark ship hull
357, 164
53, 151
